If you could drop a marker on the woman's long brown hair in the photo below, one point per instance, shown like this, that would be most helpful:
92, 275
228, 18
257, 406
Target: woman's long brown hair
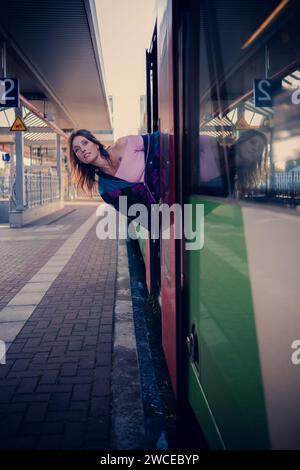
83, 174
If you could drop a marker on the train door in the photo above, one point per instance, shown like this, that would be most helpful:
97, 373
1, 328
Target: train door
166, 122
242, 384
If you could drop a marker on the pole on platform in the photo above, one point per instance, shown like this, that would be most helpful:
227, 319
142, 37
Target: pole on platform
19, 139
58, 165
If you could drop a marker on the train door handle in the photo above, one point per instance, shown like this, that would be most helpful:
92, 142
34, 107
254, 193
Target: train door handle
193, 346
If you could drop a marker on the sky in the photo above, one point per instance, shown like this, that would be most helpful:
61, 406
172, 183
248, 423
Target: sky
126, 28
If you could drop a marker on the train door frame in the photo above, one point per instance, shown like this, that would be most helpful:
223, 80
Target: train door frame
152, 85
186, 117
153, 246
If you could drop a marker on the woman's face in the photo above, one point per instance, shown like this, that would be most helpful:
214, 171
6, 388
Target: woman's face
251, 150
85, 150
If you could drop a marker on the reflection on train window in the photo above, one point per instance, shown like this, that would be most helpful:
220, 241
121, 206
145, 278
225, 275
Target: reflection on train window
247, 158
247, 150
211, 166
238, 169
284, 180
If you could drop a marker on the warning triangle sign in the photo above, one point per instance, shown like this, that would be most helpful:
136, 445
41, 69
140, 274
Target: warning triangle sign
18, 125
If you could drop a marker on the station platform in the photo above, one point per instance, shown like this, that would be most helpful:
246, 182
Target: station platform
71, 377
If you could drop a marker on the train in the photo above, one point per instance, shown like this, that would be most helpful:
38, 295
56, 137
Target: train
230, 310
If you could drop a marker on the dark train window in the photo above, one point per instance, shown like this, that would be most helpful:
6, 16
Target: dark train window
248, 150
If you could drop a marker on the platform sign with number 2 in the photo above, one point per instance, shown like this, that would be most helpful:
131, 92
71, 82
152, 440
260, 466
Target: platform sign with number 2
264, 91
9, 93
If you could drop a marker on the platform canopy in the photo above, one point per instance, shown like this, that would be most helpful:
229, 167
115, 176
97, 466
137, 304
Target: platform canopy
54, 48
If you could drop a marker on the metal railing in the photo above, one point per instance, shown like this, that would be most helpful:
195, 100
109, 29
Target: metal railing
40, 189
6, 183
280, 187
287, 183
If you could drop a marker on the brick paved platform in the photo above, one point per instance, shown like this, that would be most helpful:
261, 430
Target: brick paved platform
57, 300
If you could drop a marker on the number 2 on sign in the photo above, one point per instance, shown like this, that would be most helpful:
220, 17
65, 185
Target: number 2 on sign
4, 92
266, 96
